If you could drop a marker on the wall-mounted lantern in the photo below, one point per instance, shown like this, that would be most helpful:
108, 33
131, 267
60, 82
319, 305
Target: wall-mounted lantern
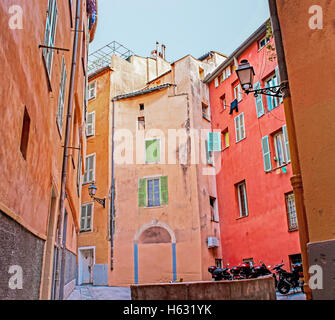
92, 190
245, 74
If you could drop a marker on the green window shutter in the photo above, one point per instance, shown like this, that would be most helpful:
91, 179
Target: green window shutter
269, 98
214, 141
152, 151
164, 190
266, 154
142, 183
287, 146
259, 101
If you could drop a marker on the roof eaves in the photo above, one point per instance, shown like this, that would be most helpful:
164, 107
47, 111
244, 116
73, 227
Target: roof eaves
141, 92
237, 52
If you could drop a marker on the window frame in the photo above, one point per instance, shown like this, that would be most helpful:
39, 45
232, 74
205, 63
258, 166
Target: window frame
272, 102
215, 214
153, 192
238, 97
279, 137
291, 227
267, 40
242, 183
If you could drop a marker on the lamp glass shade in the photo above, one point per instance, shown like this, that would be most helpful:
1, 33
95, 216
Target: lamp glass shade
245, 74
92, 190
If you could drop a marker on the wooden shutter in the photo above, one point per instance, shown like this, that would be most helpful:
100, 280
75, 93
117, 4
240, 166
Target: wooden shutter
90, 124
88, 216
237, 128
269, 98
259, 101
142, 184
287, 146
216, 81
242, 127
164, 190
83, 217
266, 154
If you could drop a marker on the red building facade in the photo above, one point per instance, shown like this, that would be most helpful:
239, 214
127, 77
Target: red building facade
255, 196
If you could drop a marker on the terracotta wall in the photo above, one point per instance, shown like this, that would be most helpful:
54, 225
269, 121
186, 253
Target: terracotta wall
263, 234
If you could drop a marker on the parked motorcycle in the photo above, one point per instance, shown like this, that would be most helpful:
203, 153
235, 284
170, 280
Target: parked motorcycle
220, 273
287, 280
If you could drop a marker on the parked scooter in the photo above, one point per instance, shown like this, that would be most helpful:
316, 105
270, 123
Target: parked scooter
287, 280
220, 273
261, 270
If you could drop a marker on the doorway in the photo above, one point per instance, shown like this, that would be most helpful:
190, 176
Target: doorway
86, 263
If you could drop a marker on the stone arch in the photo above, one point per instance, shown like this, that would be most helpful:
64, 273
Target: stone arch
155, 223
158, 233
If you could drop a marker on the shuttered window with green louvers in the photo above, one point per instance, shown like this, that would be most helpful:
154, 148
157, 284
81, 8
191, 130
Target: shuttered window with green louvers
152, 151
153, 192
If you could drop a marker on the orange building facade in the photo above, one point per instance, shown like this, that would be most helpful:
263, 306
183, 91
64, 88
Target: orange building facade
43, 114
164, 224
307, 38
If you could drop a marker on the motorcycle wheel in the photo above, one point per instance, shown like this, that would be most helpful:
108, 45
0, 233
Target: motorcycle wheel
283, 287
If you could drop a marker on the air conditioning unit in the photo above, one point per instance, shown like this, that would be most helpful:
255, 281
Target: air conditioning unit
212, 242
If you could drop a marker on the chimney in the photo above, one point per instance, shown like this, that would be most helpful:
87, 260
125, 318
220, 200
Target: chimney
163, 51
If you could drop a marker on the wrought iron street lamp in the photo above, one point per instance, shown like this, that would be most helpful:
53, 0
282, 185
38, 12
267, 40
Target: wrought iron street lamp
92, 190
245, 74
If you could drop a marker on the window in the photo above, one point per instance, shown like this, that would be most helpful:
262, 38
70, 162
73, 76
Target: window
89, 175
90, 124
86, 217
227, 72
242, 199
153, 192
291, 213
214, 211
91, 90
225, 139
237, 93
239, 127
218, 263
280, 150
140, 123
61, 97
263, 42
223, 102
205, 112
152, 151
141, 106
50, 34
25, 134
272, 102
294, 259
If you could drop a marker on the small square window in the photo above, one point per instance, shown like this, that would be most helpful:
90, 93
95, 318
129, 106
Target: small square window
205, 112
141, 106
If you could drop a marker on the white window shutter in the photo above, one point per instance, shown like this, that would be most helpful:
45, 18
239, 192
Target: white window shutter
216, 81
259, 101
90, 124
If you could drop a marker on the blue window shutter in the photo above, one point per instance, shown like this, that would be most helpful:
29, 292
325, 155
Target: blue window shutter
278, 81
269, 99
214, 141
287, 146
266, 154
259, 101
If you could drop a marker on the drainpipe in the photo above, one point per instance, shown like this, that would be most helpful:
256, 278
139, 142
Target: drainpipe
61, 267
296, 179
112, 206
